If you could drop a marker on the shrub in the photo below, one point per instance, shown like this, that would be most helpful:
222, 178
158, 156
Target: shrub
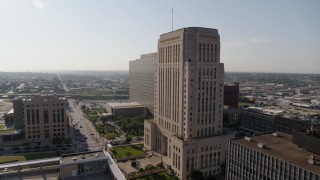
140, 170
148, 167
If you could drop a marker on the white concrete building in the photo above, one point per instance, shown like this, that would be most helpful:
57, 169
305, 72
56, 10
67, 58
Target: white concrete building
189, 80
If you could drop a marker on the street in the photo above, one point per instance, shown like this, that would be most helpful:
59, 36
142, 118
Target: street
82, 132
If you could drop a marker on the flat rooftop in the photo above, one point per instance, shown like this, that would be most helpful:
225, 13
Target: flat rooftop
83, 156
11, 111
281, 147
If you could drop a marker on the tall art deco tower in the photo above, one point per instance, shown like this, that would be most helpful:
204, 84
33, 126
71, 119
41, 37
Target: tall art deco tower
189, 79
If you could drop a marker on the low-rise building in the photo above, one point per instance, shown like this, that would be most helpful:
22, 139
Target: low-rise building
89, 163
126, 109
85, 165
255, 122
231, 116
270, 156
9, 118
288, 125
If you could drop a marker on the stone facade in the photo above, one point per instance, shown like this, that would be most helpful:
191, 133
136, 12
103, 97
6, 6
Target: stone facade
45, 118
189, 82
270, 156
141, 81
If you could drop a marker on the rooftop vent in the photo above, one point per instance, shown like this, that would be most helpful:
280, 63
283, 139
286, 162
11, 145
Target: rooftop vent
262, 145
247, 138
311, 160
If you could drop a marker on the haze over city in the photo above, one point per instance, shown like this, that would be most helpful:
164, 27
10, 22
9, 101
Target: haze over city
264, 36
163, 90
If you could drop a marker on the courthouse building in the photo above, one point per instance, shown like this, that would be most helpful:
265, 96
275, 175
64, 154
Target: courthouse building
187, 127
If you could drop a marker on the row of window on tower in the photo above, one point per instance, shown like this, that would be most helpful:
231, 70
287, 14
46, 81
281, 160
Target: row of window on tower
169, 54
208, 52
33, 116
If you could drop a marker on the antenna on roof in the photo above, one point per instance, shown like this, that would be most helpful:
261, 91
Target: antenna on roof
172, 19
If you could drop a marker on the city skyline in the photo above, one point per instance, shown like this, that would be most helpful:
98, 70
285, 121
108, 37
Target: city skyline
77, 35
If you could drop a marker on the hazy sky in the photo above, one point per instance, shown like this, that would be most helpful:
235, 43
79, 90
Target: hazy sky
259, 36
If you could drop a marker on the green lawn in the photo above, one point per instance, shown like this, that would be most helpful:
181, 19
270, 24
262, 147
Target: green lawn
130, 150
158, 176
242, 104
26, 157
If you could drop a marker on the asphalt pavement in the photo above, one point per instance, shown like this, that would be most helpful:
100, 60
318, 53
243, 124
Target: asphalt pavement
87, 138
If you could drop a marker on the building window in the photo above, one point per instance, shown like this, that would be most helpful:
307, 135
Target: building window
28, 116
37, 116
33, 116
58, 115
62, 114
54, 116
45, 116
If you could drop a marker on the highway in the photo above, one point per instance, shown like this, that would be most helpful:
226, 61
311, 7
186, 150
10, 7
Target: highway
87, 138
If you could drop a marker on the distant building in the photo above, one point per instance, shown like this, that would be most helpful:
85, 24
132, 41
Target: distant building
255, 122
270, 156
308, 139
9, 118
141, 80
231, 116
288, 125
38, 119
18, 113
126, 109
231, 95
45, 117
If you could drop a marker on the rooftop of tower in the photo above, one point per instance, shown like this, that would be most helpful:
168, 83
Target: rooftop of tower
202, 29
